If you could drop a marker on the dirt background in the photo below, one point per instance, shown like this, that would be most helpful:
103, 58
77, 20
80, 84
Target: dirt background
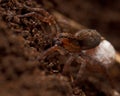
22, 40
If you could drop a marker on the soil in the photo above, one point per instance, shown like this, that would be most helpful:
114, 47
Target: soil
23, 39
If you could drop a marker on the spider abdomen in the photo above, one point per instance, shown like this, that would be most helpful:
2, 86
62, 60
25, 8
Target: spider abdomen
88, 38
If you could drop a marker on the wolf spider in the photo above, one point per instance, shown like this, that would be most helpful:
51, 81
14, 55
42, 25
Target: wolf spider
81, 47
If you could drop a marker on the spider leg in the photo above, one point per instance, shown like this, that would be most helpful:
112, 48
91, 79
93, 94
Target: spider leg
51, 50
66, 68
80, 76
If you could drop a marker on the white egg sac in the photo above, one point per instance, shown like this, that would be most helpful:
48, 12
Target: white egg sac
103, 53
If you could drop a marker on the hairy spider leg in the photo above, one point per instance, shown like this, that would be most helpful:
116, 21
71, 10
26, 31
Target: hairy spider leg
51, 50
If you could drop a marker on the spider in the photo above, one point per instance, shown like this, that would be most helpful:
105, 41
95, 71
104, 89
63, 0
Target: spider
88, 48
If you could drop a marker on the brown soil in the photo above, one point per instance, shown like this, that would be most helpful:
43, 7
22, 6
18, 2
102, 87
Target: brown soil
22, 40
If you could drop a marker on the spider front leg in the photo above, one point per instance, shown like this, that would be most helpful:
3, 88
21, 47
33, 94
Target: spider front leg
66, 68
50, 51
